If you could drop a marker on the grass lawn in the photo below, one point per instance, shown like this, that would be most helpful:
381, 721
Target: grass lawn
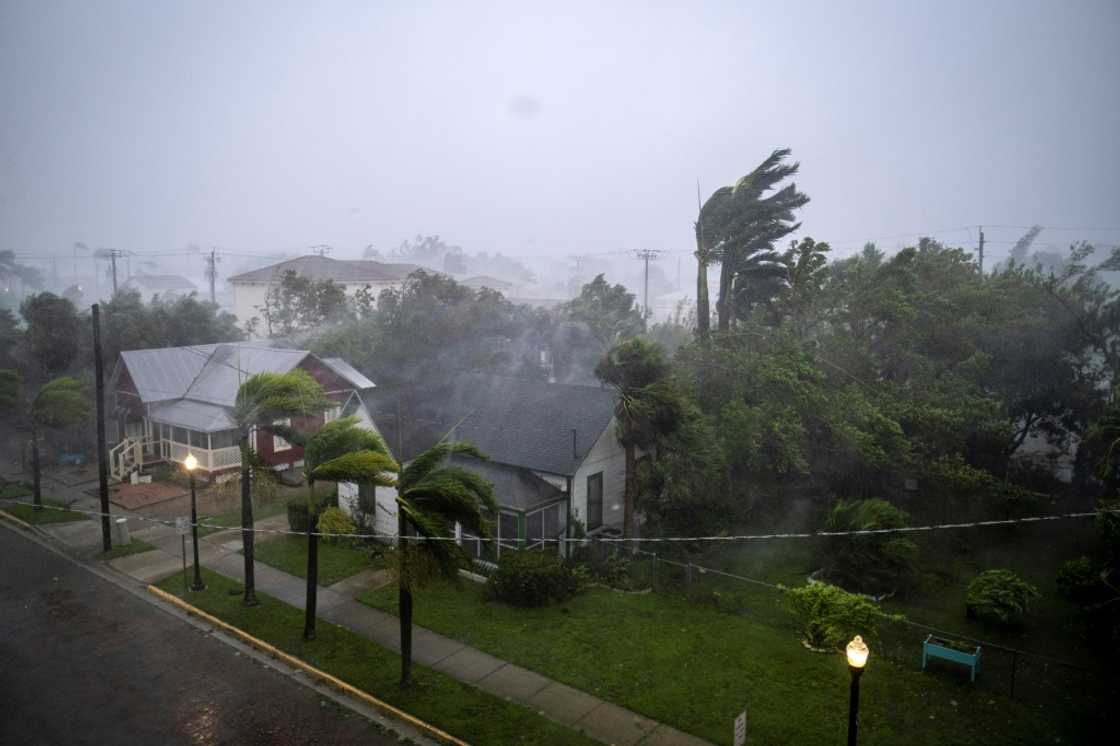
289, 553
136, 546
46, 515
694, 667
14, 489
457, 708
232, 518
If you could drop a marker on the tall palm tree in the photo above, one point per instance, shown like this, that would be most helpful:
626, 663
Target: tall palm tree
340, 451
648, 407
708, 225
432, 495
262, 399
741, 226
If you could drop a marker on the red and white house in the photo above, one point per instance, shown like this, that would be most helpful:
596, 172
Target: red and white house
171, 401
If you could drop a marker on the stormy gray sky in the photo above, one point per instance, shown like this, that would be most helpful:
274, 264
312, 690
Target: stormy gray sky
546, 128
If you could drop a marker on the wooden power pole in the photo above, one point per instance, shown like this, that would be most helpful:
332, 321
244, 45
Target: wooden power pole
981, 249
102, 452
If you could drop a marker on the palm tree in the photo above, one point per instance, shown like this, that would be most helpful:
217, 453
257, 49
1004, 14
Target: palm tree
59, 403
740, 227
341, 451
648, 409
262, 399
432, 495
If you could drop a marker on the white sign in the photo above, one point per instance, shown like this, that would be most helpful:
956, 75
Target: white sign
741, 729
182, 526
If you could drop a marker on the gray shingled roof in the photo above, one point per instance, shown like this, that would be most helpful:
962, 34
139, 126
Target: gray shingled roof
315, 267
514, 487
515, 422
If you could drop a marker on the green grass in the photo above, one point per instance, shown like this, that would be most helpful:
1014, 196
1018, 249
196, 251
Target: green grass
232, 518
14, 489
289, 553
28, 513
457, 708
694, 667
136, 546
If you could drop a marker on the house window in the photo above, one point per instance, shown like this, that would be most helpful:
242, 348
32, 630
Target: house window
224, 439
594, 501
534, 527
332, 414
278, 443
199, 440
552, 521
180, 435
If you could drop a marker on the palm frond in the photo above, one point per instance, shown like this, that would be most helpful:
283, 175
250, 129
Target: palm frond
359, 466
433, 457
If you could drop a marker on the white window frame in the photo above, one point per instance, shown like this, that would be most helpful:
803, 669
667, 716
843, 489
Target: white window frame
278, 443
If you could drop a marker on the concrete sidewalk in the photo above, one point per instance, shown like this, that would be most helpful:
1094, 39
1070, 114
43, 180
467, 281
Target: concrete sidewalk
578, 710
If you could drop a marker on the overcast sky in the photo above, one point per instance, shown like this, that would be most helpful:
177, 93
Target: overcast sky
547, 129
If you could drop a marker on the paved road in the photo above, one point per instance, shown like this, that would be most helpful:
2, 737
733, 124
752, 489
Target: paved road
85, 662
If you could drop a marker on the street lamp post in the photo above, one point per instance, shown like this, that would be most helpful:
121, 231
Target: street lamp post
857, 659
192, 463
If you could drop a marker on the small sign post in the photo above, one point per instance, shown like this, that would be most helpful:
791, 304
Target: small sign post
183, 527
741, 729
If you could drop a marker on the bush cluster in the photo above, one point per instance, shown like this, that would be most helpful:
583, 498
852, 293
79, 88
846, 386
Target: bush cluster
1000, 596
830, 616
533, 579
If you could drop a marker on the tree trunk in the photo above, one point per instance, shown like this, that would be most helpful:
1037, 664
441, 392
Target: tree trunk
723, 305
37, 488
703, 312
247, 520
404, 603
628, 493
312, 570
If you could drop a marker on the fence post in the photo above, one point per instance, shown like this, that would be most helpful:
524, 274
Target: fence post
652, 570
688, 575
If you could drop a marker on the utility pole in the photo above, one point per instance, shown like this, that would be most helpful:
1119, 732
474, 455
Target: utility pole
646, 255
113, 258
321, 249
212, 272
981, 250
102, 453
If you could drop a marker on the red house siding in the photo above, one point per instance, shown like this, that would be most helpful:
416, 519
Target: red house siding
337, 388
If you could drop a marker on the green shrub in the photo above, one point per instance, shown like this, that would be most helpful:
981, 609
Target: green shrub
873, 563
335, 521
999, 596
299, 515
830, 616
1080, 580
533, 579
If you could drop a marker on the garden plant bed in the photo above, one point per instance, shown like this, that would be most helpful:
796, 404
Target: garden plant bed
459, 709
695, 668
952, 651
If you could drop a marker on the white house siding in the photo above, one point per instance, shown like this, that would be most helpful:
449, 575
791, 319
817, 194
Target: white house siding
248, 298
608, 457
385, 498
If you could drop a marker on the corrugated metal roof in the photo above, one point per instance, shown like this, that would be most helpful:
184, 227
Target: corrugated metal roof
349, 372
194, 415
231, 364
165, 373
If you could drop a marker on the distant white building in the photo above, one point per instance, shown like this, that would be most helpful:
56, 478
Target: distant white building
165, 286
251, 288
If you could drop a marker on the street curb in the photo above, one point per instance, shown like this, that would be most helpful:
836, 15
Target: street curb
8, 516
383, 707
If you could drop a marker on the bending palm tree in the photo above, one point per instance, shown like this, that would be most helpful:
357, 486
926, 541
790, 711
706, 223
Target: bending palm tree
340, 451
431, 495
262, 399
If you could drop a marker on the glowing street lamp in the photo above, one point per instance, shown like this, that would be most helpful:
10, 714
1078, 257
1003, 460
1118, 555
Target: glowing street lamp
191, 463
857, 658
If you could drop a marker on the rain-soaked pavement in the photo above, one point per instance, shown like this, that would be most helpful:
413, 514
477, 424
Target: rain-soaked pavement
85, 662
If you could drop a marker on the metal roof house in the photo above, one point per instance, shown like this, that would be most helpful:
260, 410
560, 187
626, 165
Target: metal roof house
165, 286
171, 401
554, 456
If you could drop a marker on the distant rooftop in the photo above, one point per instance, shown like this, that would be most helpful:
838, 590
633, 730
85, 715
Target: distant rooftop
318, 268
161, 282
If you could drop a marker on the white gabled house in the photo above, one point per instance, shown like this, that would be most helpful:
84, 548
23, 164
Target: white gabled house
554, 455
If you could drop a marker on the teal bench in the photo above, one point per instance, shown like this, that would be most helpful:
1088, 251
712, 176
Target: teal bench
935, 647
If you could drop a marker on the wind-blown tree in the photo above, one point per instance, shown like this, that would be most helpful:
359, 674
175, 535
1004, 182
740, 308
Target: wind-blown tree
649, 407
53, 334
59, 403
262, 399
340, 451
432, 495
740, 226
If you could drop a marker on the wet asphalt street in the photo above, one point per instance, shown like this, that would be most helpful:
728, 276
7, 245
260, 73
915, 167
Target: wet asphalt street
85, 662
